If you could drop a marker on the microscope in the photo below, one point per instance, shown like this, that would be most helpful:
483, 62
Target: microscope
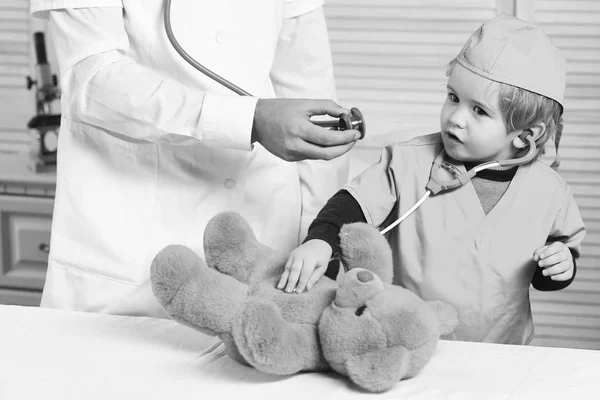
45, 124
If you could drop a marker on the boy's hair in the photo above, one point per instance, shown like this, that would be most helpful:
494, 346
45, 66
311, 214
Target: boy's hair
521, 108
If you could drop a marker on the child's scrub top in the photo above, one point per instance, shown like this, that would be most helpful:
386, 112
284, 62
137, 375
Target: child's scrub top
450, 250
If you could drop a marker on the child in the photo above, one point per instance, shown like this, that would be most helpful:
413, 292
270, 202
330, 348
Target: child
481, 245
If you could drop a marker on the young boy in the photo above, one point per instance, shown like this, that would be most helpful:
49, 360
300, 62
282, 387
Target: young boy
481, 245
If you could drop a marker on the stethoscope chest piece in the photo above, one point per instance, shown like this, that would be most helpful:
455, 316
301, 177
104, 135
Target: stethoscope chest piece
354, 121
446, 176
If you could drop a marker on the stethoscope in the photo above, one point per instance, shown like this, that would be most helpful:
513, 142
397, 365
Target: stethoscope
437, 185
354, 120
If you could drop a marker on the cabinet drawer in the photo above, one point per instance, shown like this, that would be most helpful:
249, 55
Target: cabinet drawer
20, 297
24, 241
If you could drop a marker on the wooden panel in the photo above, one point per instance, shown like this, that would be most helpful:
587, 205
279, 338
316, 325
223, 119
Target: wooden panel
24, 241
15, 55
390, 58
571, 317
20, 297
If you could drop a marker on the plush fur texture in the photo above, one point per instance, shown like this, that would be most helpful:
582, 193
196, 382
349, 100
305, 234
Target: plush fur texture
362, 326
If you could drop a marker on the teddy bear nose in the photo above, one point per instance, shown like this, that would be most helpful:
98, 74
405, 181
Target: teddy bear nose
356, 287
364, 276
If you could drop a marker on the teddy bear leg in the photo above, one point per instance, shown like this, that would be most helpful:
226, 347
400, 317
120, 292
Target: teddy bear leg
231, 348
420, 357
193, 294
363, 246
231, 248
379, 370
273, 345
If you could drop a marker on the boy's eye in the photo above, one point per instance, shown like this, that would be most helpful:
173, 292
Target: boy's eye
479, 111
453, 98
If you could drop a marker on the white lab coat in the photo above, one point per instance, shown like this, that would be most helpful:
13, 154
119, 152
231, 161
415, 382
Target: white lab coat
150, 149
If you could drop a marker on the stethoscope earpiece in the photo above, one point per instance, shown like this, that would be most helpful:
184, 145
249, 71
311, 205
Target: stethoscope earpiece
525, 134
518, 142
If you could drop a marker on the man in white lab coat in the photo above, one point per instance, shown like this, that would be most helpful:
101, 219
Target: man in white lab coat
150, 148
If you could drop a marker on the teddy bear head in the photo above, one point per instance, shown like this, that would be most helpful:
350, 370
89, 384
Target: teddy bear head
374, 332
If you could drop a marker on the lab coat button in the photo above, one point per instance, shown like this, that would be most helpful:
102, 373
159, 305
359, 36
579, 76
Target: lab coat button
229, 183
221, 37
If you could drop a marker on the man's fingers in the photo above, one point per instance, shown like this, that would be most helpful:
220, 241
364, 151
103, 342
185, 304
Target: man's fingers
310, 151
325, 107
300, 148
320, 136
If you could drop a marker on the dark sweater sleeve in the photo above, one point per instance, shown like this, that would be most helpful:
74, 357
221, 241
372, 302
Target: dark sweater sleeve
341, 209
546, 284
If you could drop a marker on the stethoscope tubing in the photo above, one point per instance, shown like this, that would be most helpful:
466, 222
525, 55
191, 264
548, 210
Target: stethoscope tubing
437, 185
216, 77
406, 214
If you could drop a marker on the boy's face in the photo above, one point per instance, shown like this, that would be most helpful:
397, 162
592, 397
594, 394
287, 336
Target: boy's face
471, 124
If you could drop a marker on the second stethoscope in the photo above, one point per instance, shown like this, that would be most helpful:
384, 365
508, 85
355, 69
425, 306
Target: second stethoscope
436, 185
354, 120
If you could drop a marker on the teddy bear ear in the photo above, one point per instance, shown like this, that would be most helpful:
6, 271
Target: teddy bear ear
364, 247
378, 371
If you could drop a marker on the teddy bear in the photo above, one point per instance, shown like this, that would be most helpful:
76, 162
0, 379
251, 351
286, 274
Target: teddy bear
360, 325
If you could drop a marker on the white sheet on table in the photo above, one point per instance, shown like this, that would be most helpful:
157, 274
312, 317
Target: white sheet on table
53, 354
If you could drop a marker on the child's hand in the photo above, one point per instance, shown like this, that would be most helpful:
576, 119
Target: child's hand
305, 266
557, 261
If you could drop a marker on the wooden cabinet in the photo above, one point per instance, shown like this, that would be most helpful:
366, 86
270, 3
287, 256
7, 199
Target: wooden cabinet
26, 205
24, 244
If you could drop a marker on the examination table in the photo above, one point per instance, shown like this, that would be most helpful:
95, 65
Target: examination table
55, 354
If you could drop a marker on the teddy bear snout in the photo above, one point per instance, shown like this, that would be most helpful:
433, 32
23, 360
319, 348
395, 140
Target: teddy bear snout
364, 276
356, 287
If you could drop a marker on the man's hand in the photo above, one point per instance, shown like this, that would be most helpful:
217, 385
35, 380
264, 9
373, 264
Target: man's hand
305, 266
557, 261
283, 127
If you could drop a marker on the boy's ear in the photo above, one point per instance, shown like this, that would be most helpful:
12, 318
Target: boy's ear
536, 130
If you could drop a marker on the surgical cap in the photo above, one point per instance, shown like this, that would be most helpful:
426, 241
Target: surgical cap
508, 50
